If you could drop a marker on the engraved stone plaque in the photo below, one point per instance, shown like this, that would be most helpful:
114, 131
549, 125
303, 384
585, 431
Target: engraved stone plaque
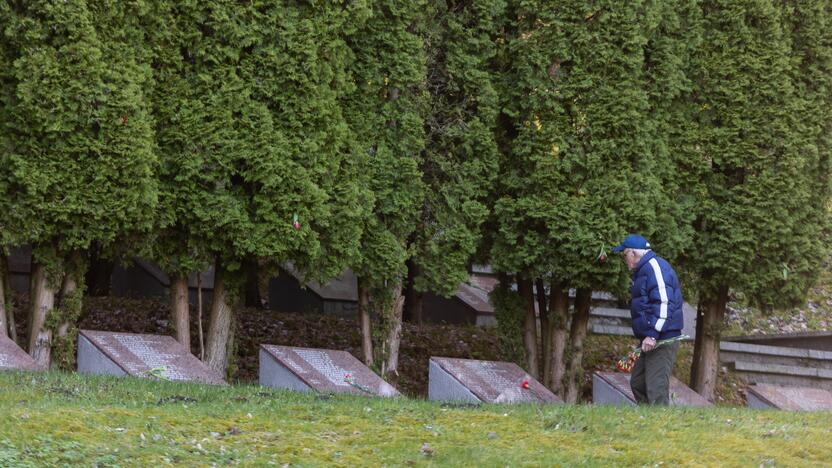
319, 370
14, 358
109, 353
763, 396
468, 380
613, 388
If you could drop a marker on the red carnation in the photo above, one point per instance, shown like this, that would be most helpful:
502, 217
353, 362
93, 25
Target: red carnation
525, 385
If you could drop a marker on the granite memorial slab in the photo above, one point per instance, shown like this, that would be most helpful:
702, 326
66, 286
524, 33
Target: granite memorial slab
319, 370
472, 381
12, 357
613, 388
766, 396
110, 353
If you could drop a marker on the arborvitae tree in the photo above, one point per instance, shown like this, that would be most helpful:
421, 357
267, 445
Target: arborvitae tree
200, 213
6, 236
764, 98
78, 163
578, 170
385, 112
256, 157
460, 158
674, 33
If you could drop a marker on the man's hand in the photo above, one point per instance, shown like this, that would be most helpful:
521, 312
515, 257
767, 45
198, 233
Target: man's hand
648, 344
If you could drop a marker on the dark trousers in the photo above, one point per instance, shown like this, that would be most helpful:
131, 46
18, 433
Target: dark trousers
650, 378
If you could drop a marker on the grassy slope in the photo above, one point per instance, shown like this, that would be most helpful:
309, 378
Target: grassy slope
54, 419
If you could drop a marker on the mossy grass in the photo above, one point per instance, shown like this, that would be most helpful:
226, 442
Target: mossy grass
66, 419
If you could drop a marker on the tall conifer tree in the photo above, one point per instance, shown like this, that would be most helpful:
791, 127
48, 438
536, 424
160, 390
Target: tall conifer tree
78, 166
386, 115
579, 168
764, 140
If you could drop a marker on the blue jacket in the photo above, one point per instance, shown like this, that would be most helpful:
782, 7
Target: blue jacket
656, 304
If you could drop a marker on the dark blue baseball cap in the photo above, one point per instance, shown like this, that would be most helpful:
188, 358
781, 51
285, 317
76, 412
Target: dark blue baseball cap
633, 241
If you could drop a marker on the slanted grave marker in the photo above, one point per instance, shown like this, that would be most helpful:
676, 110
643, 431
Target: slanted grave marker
12, 357
767, 396
613, 388
111, 353
319, 370
472, 381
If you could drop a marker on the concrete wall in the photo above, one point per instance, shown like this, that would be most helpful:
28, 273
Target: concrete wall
438, 309
778, 365
817, 340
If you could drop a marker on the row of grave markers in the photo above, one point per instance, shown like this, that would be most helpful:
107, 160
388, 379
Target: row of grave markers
329, 371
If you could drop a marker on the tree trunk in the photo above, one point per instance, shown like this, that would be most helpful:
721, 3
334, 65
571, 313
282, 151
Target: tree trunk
366, 325
97, 277
574, 376
179, 309
5, 330
697, 346
559, 319
252, 272
7, 303
705, 369
413, 298
42, 297
69, 288
545, 329
70, 303
220, 340
524, 288
199, 316
393, 338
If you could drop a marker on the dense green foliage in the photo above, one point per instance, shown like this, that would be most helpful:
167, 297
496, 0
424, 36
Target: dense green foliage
584, 155
78, 164
385, 114
252, 137
763, 140
460, 159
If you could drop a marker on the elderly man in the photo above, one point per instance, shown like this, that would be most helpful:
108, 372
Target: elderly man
656, 310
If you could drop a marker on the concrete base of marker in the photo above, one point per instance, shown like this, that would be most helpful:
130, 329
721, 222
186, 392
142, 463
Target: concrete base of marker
442, 386
605, 393
276, 375
92, 360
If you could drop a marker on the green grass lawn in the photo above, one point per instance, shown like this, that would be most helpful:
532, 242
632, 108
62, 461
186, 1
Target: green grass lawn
67, 419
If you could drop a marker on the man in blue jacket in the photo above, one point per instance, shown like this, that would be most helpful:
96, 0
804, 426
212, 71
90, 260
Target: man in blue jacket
656, 309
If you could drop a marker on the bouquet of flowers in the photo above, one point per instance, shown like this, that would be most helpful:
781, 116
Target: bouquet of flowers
350, 380
626, 363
